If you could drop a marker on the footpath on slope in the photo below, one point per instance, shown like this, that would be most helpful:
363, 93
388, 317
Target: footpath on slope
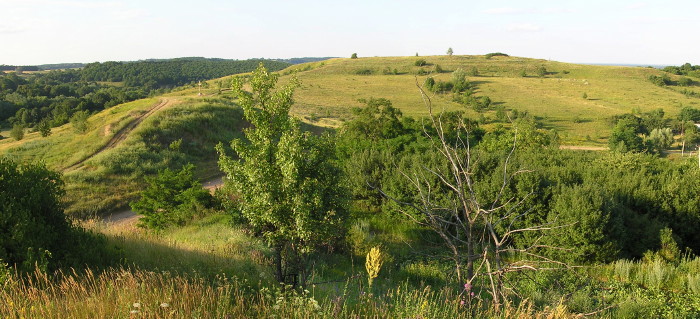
122, 134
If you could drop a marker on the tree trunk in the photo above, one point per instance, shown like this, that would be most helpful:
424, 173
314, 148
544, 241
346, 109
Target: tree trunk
279, 274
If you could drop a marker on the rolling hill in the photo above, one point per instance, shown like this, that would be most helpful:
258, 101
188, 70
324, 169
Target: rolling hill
331, 88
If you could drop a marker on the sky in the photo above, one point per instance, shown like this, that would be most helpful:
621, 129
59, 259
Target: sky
617, 32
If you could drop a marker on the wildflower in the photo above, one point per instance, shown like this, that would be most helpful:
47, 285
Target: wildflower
136, 305
461, 303
467, 286
133, 312
164, 305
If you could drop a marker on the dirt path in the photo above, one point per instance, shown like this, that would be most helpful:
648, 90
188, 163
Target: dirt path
122, 134
583, 148
129, 216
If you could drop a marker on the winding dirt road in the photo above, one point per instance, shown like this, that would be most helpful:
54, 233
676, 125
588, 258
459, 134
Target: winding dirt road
122, 134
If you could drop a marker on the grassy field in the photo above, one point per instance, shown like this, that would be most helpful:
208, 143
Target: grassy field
209, 269
331, 88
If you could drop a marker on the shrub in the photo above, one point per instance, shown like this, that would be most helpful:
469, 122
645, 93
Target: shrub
420, 62
660, 80
491, 55
17, 132
683, 81
429, 84
79, 121
353, 56
44, 128
35, 230
172, 197
541, 71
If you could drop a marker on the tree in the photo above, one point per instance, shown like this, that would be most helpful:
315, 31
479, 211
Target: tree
17, 132
541, 71
661, 139
44, 127
625, 136
353, 56
171, 198
477, 232
449, 52
79, 121
288, 188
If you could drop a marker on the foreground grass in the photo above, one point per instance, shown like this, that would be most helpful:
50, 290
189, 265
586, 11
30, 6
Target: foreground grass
209, 269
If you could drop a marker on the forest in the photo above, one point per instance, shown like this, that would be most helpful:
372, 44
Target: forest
53, 98
444, 218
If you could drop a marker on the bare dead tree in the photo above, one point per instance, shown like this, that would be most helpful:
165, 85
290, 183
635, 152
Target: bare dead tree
477, 234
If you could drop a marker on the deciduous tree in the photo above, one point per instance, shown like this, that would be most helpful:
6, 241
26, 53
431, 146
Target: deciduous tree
289, 191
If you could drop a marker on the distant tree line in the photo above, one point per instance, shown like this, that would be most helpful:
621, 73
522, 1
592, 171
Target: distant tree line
53, 98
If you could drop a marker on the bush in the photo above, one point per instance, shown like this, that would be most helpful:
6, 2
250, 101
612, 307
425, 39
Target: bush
541, 71
420, 62
17, 132
663, 80
172, 197
683, 81
79, 121
491, 55
35, 230
353, 56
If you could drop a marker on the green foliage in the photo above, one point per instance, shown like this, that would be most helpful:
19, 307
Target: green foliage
364, 72
44, 128
450, 51
353, 56
420, 62
662, 80
491, 55
35, 230
289, 190
79, 121
55, 96
683, 81
625, 138
429, 84
438, 68
660, 139
584, 96
541, 71
171, 198
17, 132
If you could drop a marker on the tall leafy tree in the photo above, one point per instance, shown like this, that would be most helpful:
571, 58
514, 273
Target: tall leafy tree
288, 188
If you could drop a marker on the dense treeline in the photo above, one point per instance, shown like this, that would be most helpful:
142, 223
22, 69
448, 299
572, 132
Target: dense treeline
158, 74
52, 99
614, 205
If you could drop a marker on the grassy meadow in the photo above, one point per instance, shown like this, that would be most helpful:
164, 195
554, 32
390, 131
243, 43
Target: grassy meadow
209, 269
331, 88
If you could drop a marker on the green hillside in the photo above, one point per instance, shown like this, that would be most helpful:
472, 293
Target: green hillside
331, 88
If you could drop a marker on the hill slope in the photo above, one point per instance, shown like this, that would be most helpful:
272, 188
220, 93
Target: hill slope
331, 88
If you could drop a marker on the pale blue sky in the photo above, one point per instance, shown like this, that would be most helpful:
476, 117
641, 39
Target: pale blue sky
591, 31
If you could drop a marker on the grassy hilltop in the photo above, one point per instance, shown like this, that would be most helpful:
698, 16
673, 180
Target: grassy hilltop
331, 88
